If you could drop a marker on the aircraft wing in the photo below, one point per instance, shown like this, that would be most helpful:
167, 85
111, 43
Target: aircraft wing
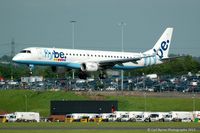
171, 58
111, 63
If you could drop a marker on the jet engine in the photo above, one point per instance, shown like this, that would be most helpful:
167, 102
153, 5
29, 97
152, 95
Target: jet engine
89, 67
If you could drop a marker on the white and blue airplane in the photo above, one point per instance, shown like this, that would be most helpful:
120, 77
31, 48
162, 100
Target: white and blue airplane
93, 60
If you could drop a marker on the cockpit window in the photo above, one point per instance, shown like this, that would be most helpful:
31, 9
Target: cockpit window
25, 51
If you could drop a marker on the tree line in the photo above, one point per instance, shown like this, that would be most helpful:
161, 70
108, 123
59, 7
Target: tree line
178, 66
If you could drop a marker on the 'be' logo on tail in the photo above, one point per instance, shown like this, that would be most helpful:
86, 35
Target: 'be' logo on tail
163, 47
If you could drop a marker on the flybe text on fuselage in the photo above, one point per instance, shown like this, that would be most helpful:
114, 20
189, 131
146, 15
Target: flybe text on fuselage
54, 55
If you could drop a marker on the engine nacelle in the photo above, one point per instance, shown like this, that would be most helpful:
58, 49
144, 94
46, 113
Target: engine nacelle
89, 66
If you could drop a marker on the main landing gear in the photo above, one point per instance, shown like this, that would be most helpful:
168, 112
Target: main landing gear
82, 75
102, 75
85, 75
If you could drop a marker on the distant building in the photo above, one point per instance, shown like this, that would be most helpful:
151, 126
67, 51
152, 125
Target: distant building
1, 79
32, 79
83, 106
152, 76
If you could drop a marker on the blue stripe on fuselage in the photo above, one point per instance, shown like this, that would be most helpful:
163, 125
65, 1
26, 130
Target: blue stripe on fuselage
72, 65
126, 67
46, 63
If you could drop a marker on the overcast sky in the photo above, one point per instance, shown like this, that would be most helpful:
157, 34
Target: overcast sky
46, 23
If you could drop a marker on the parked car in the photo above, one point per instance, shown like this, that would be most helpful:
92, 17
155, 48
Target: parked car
186, 120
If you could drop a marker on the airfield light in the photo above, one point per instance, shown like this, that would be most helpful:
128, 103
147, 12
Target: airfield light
193, 100
73, 40
122, 24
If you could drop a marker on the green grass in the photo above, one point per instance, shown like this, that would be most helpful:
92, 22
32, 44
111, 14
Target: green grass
155, 103
15, 100
65, 127
104, 124
72, 131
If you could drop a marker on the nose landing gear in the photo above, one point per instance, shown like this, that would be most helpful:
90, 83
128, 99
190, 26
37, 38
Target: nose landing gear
31, 67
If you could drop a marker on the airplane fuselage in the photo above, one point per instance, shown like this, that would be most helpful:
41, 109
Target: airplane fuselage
73, 58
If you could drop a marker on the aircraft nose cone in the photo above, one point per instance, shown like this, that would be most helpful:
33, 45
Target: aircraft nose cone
15, 59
